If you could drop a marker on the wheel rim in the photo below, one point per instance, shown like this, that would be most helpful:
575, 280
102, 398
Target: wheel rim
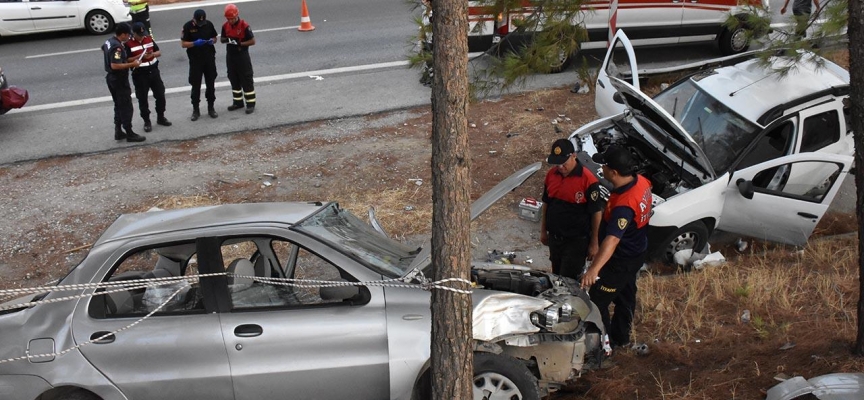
739, 40
492, 386
684, 241
99, 23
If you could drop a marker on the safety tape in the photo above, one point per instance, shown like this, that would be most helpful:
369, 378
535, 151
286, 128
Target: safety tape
120, 286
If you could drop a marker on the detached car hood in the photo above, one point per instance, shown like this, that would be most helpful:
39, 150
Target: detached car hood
424, 258
636, 100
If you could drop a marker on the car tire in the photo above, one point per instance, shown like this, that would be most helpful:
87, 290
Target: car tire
734, 41
99, 22
78, 395
497, 376
691, 236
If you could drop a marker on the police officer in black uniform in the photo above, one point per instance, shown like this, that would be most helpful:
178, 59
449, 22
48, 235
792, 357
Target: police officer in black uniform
146, 77
199, 37
624, 244
117, 68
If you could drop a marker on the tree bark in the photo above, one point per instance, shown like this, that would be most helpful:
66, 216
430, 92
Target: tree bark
856, 78
451, 217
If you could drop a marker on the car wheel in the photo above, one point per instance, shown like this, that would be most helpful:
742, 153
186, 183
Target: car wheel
691, 236
561, 62
98, 22
734, 41
500, 377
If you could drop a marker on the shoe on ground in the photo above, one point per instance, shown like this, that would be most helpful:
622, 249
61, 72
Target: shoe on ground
195, 115
119, 135
234, 107
134, 137
212, 113
163, 121
147, 126
250, 110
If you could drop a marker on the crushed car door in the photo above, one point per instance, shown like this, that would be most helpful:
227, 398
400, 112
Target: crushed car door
177, 352
311, 342
620, 62
783, 199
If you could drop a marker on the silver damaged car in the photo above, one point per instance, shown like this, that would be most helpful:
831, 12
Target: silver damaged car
281, 300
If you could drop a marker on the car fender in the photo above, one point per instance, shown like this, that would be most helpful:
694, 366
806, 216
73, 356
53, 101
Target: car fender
703, 202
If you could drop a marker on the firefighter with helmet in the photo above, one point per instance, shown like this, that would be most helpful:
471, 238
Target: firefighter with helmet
238, 36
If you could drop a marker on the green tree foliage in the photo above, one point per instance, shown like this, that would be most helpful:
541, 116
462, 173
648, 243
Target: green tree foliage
545, 36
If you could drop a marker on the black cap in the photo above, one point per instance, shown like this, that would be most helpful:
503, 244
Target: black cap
199, 15
122, 28
617, 158
138, 28
561, 151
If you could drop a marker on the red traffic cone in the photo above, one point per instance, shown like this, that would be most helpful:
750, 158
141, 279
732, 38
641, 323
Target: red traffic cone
305, 22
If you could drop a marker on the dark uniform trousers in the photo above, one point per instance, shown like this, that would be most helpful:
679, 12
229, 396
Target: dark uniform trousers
143, 17
118, 85
617, 285
207, 69
567, 255
240, 75
145, 80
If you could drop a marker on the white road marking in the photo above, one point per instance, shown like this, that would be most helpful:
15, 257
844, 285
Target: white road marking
182, 89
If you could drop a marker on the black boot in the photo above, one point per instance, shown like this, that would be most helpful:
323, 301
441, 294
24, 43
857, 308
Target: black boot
161, 120
235, 106
147, 125
250, 110
134, 137
118, 133
211, 111
195, 113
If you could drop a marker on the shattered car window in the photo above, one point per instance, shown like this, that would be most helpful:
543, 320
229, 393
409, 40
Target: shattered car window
721, 133
348, 233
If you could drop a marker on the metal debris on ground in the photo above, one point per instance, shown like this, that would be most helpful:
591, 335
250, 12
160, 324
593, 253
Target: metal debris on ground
498, 257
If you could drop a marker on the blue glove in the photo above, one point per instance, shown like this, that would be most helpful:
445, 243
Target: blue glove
210, 41
199, 42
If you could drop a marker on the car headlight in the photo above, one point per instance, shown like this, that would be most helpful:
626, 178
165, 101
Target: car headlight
548, 318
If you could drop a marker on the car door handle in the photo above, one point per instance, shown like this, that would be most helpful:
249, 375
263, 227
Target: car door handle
105, 340
807, 215
599, 82
249, 330
35, 8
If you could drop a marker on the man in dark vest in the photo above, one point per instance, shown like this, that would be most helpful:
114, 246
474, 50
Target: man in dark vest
146, 77
117, 67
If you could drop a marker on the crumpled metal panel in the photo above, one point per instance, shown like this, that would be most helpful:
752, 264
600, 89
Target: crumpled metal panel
839, 386
505, 314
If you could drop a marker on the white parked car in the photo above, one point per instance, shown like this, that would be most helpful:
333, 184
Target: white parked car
737, 148
21, 17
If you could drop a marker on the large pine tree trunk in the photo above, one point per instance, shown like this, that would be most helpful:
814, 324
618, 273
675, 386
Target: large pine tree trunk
856, 75
451, 312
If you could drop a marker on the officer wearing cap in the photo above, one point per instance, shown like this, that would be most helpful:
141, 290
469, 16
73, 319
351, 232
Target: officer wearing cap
623, 243
146, 77
573, 201
117, 68
198, 38
238, 37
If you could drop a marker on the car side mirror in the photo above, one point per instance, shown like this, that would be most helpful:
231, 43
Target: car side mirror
617, 98
338, 293
746, 188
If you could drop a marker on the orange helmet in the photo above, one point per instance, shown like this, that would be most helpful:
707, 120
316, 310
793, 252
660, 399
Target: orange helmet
231, 11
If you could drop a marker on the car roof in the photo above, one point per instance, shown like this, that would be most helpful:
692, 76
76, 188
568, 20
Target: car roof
751, 90
156, 222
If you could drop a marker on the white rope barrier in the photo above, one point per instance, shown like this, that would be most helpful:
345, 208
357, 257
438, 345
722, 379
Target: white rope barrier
134, 284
